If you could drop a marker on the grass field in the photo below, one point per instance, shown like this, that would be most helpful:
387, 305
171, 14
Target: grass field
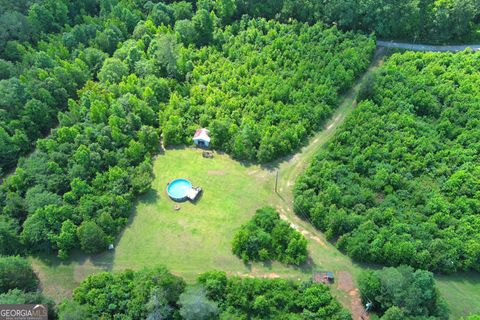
197, 238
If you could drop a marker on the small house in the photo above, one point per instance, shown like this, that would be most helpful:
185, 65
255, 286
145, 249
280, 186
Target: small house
202, 138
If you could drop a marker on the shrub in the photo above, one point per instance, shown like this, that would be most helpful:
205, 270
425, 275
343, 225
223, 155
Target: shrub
92, 238
16, 273
403, 291
267, 237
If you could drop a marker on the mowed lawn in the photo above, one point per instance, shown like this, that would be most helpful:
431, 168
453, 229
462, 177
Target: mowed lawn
192, 240
197, 237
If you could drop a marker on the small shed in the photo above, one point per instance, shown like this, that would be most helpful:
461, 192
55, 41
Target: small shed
330, 277
325, 277
202, 138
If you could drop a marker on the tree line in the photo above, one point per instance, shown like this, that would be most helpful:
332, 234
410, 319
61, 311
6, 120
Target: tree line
157, 294
427, 20
399, 183
393, 293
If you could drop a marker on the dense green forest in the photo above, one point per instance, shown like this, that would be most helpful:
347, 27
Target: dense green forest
157, 294
403, 293
90, 90
427, 20
250, 298
267, 89
48, 50
266, 237
78, 187
54, 154
399, 183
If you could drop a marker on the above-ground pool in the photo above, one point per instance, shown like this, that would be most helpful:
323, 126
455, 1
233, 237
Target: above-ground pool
177, 189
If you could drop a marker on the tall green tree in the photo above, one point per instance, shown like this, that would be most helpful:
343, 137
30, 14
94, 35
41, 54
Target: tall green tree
16, 273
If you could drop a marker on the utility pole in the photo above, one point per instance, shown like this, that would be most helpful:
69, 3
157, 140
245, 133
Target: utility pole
276, 181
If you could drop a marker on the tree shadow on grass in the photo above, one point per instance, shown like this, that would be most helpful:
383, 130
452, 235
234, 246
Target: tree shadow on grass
248, 265
102, 261
307, 267
267, 264
470, 277
149, 197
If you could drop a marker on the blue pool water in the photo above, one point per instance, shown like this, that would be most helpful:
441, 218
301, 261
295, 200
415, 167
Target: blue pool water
177, 189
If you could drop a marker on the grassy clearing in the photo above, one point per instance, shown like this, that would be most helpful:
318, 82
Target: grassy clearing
462, 292
197, 237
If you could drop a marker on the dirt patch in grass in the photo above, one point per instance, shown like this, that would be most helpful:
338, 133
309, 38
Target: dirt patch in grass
345, 283
306, 233
216, 172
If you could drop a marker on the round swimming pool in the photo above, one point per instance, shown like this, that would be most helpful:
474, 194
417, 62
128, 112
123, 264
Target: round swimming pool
177, 189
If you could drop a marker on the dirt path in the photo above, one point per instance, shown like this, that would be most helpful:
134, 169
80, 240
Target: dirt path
426, 47
346, 284
300, 229
290, 169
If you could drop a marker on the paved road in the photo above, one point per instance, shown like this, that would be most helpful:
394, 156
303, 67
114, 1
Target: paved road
425, 47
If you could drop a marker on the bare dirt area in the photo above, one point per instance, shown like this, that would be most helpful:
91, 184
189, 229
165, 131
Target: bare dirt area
306, 233
216, 172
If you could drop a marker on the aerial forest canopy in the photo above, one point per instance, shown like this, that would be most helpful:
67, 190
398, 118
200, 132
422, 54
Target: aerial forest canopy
48, 50
403, 293
250, 298
400, 182
78, 187
145, 294
266, 87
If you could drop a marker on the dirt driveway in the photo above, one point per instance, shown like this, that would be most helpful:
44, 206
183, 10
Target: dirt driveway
345, 283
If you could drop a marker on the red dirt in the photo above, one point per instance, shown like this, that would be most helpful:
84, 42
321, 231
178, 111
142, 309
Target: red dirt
306, 233
345, 283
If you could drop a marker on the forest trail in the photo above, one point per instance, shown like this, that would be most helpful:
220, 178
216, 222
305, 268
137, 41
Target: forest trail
347, 284
290, 168
427, 47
